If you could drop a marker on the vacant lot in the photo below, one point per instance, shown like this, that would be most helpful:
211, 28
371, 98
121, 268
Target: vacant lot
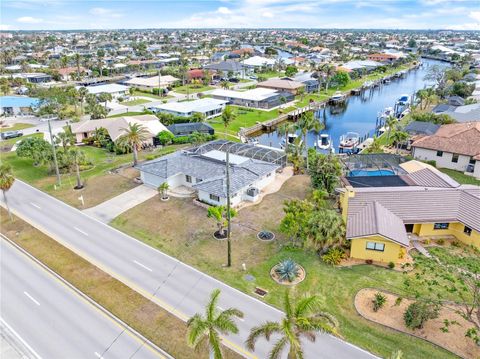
138, 101
180, 228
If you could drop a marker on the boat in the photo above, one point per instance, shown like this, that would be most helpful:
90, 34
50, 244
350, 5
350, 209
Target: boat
291, 139
403, 100
387, 112
386, 81
337, 97
349, 140
368, 84
325, 143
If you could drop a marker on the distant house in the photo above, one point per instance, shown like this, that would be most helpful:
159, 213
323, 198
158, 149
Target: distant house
256, 62
195, 74
455, 146
115, 90
66, 72
283, 85
185, 129
15, 105
202, 169
149, 83
35, 77
311, 84
383, 212
384, 58
258, 98
208, 107
224, 68
464, 113
114, 126
416, 128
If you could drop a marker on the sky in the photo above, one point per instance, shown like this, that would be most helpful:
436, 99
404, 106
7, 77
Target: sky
137, 14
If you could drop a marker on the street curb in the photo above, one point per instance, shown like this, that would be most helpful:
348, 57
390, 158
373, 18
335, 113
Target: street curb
121, 323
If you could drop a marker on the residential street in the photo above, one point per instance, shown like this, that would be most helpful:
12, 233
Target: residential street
50, 320
177, 286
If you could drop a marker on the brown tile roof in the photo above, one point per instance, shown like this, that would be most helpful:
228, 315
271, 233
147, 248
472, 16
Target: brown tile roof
281, 84
432, 178
460, 138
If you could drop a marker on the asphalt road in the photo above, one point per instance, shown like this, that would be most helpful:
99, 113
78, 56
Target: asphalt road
178, 287
50, 320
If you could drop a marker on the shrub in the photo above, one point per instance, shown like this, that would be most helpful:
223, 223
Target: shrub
378, 301
334, 256
456, 243
398, 301
427, 241
441, 242
287, 270
391, 265
420, 312
165, 138
181, 140
432, 163
369, 261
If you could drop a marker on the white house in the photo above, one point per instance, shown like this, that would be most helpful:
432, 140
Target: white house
208, 107
115, 90
455, 146
203, 169
149, 83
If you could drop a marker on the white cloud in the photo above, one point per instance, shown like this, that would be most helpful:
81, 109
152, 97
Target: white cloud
101, 11
475, 15
29, 20
267, 14
224, 10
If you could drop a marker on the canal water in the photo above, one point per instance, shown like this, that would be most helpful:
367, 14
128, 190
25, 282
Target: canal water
360, 112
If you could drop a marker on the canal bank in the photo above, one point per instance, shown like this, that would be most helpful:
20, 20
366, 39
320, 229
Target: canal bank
359, 113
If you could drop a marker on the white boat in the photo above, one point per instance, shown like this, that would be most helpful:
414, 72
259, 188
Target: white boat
349, 140
337, 97
324, 142
291, 139
368, 84
387, 112
403, 100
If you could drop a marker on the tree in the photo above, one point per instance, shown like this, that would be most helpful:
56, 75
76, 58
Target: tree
389, 123
325, 171
302, 319
77, 156
105, 97
419, 312
325, 229
462, 89
412, 43
37, 149
341, 78
228, 116
205, 330
133, 137
219, 214
6, 182
306, 124
65, 138
225, 85
290, 70
399, 137
163, 188
165, 138
285, 129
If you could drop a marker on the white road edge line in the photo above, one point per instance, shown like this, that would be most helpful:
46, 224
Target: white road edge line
82, 232
98, 355
35, 205
25, 344
143, 266
31, 298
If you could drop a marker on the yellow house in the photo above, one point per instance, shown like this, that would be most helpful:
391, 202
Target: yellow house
422, 201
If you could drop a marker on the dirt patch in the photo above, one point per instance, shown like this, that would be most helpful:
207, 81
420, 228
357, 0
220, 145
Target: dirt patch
391, 315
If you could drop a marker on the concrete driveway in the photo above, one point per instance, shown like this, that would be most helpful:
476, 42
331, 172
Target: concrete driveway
112, 208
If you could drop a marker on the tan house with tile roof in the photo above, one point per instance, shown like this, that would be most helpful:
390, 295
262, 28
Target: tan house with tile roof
282, 85
455, 146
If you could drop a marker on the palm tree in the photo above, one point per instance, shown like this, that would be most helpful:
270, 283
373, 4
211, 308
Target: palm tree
6, 182
398, 138
163, 188
224, 85
219, 214
133, 137
82, 95
77, 156
77, 62
302, 319
228, 115
306, 124
205, 330
65, 138
390, 122
284, 130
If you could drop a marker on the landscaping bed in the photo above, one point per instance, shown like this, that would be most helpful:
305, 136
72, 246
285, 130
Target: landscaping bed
391, 315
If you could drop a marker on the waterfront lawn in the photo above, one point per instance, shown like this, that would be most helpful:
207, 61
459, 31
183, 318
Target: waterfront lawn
182, 229
101, 183
138, 101
191, 88
16, 127
154, 322
460, 177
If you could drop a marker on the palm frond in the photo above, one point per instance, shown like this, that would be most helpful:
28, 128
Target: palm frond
211, 308
266, 330
215, 344
196, 329
306, 305
277, 349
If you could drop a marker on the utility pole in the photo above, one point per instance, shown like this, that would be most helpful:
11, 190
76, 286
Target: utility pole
59, 181
229, 243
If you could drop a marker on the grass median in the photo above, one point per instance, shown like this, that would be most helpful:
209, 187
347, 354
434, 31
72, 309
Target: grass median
155, 323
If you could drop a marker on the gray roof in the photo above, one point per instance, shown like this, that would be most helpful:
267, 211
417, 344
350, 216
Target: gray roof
210, 171
464, 113
225, 66
429, 178
416, 204
373, 219
189, 126
420, 127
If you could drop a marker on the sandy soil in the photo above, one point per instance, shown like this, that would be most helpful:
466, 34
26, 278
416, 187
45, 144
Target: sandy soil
392, 316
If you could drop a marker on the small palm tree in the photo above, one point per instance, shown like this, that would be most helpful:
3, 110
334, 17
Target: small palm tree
399, 137
6, 182
302, 319
77, 156
219, 214
205, 330
228, 116
163, 188
133, 137
390, 123
306, 124
284, 130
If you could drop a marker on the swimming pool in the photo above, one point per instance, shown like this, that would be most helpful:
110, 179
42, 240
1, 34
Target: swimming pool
18, 101
357, 173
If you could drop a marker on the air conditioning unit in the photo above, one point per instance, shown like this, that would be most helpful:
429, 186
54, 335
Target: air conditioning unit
253, 192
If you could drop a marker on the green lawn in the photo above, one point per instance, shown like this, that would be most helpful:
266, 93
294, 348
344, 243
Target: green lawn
131, 113
150, 95
190, 88
460, 177
182, 229
270, 74
16, 127
139, 101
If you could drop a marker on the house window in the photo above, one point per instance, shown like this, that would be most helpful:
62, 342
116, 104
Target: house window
472, 161
467, 230
188, 178
374, 246
439, 153
214, 198
454, 158
440, 226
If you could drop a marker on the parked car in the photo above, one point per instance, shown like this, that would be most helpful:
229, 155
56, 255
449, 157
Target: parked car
11, 134
234, 80
153, 109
